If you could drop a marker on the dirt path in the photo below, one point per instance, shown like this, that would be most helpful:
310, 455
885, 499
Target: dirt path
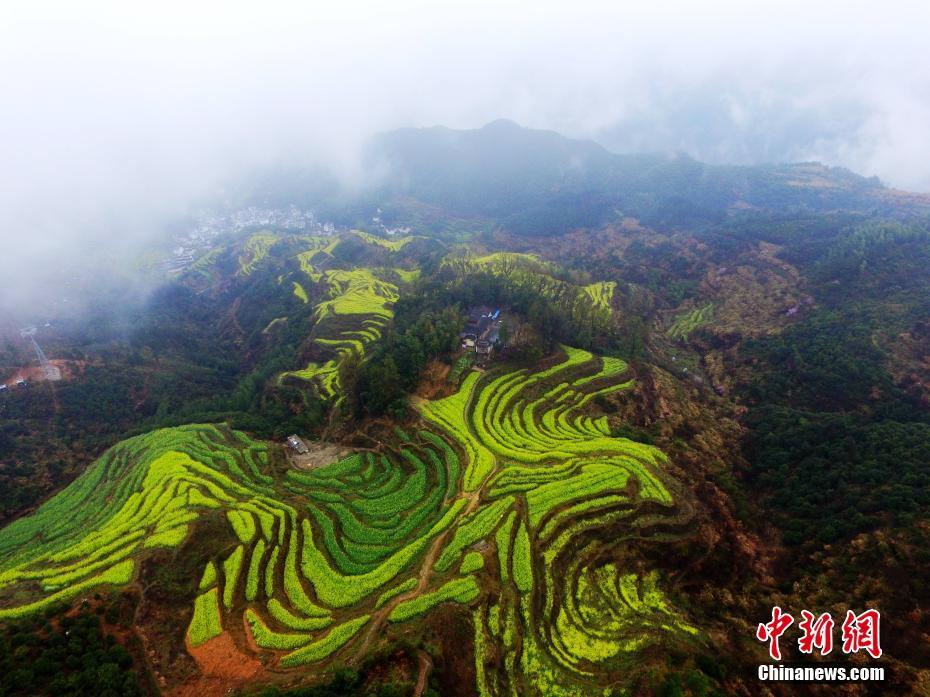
320, 454
379, 617
426, 665
233, 318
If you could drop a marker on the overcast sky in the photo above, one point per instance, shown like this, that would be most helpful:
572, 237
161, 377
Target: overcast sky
114, 115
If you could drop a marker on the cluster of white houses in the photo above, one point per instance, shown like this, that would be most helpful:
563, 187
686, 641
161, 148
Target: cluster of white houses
208, 227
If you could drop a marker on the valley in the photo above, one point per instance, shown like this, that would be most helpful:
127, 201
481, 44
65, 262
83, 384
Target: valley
583, 458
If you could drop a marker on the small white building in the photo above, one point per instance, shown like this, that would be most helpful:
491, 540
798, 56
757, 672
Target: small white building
297, 444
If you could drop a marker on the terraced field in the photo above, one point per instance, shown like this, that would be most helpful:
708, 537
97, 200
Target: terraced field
254, 250
601, 293
540, 276
687, 322
356, 308
351, 302
510, 499
351, 306
394, 245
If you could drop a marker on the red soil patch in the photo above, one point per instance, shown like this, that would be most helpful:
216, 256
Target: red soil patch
223, 667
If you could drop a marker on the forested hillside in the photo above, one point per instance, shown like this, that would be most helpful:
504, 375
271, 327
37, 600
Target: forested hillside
573, 430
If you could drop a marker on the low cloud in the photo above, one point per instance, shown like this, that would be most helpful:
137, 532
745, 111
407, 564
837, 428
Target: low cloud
115, 119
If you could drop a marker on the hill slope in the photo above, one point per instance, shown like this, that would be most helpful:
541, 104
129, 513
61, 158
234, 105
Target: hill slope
513, 480
539, 182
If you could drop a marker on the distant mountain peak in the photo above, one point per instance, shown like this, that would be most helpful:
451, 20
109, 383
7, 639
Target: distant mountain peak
502, 125
541, 182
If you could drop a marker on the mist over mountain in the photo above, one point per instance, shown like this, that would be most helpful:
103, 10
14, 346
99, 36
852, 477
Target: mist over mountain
543, 349
502, 167
114, 123
522, 180
540, 182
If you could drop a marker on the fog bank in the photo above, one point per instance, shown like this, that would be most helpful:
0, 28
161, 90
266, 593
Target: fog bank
115, 118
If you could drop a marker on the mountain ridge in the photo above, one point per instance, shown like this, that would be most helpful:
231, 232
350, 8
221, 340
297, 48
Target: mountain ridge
491, 171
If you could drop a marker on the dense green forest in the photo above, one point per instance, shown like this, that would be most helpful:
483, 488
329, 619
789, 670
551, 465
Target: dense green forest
834, 443
67, 655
